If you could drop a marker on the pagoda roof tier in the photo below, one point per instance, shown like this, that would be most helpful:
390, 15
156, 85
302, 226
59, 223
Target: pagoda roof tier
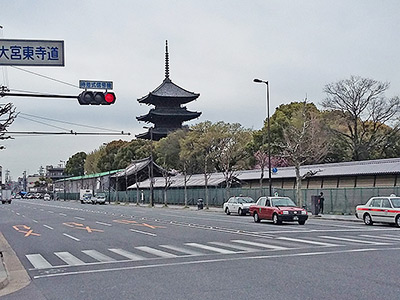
156, 134
181, 114
170, 92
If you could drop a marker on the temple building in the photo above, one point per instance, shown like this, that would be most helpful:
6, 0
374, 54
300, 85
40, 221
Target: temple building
168, 113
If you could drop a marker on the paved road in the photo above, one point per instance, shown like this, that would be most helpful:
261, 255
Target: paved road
74, 251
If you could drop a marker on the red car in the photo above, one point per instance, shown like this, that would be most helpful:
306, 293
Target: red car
278, 209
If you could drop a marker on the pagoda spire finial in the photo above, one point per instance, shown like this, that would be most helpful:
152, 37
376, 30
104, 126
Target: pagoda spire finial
166, 60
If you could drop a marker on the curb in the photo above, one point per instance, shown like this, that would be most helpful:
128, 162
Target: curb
3, 273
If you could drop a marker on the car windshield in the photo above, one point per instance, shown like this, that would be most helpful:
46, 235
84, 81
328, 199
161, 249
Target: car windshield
396, 202
245, 200
282, 202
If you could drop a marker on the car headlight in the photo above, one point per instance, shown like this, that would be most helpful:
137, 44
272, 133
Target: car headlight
303, 212
285, 212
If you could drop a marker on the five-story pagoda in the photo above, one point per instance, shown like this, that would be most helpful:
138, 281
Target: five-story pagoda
168, 113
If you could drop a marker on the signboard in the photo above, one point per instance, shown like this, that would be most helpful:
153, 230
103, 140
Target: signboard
90, 84
31, 53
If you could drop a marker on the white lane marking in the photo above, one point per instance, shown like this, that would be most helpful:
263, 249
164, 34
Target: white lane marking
17, 214
307, 242
61, 214
38, 261
105, 224
98, 256
210, 248
351, 240
260, 245
127, 254
380, 237
213, 261
51, 212
181, 249
71, 237
79, 218
69, 258
35, 221
156, 252
48, 227
237, 247
143, 232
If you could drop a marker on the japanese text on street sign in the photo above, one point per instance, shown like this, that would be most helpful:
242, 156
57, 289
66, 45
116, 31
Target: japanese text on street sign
89, 84
31, 53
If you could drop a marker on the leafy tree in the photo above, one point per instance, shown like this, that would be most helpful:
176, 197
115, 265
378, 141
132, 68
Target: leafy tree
364, 110
230, 144
134, 150
200, 144
107, 161
92, 160
76, 164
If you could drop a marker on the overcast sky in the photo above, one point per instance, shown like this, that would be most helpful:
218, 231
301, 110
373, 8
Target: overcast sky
216, 49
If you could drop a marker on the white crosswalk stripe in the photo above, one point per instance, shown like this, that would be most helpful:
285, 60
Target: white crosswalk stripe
98, 256
381, 237
38, 261
156, 252
351, 240
237, 247
262, 245
306, 241
69, 258
127, 254
210, 248
182, 250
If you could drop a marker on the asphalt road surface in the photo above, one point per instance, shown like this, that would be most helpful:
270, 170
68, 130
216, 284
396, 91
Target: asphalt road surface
75, 251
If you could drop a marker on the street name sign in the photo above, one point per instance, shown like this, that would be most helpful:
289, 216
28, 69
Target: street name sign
91, 84
31, 53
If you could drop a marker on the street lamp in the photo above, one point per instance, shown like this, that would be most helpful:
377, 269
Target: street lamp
269, 135
151, 166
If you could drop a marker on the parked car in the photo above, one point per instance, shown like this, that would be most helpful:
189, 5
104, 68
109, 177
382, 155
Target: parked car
380, 210
239, 205
46, 197
100, 198
278, 209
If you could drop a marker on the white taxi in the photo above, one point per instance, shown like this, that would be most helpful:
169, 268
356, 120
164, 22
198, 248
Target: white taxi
380, 210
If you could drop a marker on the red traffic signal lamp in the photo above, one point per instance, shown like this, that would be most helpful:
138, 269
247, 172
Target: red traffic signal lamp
96, 98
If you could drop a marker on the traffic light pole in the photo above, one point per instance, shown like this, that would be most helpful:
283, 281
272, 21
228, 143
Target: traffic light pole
3, 94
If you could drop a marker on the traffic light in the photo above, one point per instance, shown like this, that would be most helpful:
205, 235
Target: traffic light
96, 98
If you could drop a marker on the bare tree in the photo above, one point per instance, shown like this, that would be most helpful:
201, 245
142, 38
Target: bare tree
365, 111
305, 141
7, 117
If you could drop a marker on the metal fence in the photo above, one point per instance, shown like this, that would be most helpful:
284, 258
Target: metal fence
337, 200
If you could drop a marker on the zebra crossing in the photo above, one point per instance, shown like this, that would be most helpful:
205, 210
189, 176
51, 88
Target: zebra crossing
141, 253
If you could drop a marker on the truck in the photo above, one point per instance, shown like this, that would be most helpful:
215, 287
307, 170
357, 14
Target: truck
5, 196
85, 195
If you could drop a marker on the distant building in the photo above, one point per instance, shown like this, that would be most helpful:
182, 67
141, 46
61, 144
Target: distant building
168, 114
55, 173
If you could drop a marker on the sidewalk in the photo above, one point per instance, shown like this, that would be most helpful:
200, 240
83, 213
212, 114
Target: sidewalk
351, 218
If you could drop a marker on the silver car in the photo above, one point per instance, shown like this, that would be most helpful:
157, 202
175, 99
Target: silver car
239, 205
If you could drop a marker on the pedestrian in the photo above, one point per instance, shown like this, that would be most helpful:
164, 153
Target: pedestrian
142, 197
321, 202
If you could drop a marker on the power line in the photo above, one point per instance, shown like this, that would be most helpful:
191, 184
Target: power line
47, 77
70, 123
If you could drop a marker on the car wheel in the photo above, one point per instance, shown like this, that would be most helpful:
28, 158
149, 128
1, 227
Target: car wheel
227, 211
398, 221
368, 220
240, 213
82, 202
276, 220
256, 218
302, 222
